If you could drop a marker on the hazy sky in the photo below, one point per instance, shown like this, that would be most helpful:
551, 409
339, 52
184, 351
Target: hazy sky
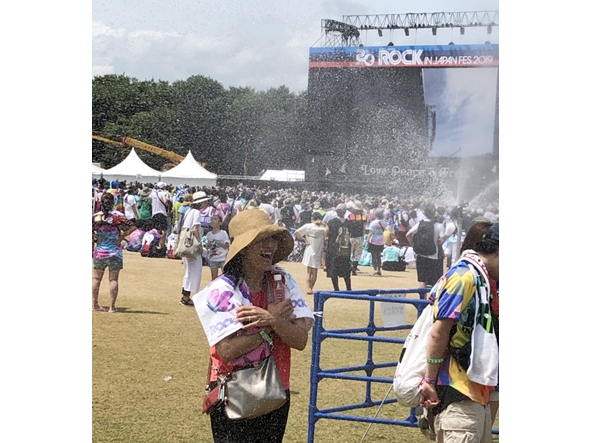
255, 43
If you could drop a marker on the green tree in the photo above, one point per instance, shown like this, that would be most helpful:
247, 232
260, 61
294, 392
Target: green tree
235, 132
126, 106
200, 112
242, 131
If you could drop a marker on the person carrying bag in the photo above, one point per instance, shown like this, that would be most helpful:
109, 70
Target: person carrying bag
249, 392
253, 315
188, 245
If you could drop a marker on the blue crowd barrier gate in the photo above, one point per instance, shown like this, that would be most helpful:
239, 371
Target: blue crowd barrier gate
367, 334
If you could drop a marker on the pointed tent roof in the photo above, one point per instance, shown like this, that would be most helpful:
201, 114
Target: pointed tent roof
96, 170
132, 166
189, 171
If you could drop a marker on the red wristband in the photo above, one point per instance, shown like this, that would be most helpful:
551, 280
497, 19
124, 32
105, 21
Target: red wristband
430, 381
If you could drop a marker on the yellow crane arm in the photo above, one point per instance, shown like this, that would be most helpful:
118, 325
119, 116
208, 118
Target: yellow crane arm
107, 140
128, 141
153, 149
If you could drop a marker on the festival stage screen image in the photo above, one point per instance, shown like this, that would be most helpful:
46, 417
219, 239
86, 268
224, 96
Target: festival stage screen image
464, 104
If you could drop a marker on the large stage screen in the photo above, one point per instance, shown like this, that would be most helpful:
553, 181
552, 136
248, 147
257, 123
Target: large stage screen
412, 119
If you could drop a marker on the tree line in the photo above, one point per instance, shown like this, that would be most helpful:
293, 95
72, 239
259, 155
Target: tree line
235, 131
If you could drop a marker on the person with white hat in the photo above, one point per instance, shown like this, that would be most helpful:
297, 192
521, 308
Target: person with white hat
250, 312
190, 218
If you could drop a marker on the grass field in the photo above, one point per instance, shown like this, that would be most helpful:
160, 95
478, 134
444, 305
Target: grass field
150, 362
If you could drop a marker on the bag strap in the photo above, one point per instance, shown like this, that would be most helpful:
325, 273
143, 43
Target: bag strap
179, 223
158, 195
403, 256
268, 300
168, 206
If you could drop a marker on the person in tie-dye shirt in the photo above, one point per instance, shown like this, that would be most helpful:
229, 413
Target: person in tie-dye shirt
109, 228
462, 361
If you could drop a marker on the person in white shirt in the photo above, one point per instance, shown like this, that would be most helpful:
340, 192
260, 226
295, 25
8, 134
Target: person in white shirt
217, 246
130, 204
267, 207
450, 229
160, 200
313, 234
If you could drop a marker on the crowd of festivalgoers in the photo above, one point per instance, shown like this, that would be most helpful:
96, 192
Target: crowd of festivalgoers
378, 224
291, 207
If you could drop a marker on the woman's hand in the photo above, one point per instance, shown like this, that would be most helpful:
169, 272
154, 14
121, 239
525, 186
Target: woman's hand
281, 309
293, 331
256, 316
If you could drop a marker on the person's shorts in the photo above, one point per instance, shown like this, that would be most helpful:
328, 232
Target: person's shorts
375, 249
216, 264
113, 263
429, 270
464, 422
160, 222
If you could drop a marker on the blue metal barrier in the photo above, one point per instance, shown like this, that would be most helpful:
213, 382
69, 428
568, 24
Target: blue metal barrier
366, 334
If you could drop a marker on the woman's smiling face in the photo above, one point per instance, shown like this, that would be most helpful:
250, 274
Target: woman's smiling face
259, 255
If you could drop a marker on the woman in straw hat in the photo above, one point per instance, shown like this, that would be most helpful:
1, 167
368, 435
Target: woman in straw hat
190, 218
245, 311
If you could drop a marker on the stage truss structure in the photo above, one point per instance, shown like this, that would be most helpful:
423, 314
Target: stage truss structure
348, 31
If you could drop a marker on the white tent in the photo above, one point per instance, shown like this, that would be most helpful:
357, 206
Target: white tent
131, 169
285, 175
189, 172
96, 170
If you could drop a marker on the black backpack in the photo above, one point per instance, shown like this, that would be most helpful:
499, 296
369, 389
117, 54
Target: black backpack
424, 239
343, 242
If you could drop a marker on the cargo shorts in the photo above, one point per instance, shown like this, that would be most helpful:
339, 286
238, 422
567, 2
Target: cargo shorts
464, 421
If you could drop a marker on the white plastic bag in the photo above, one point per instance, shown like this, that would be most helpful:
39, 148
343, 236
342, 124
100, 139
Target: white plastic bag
410, 371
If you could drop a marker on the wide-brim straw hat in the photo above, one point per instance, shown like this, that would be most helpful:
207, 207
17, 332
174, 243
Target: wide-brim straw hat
145, 192
248, 227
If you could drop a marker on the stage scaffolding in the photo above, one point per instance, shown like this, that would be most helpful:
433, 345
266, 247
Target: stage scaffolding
348, 31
